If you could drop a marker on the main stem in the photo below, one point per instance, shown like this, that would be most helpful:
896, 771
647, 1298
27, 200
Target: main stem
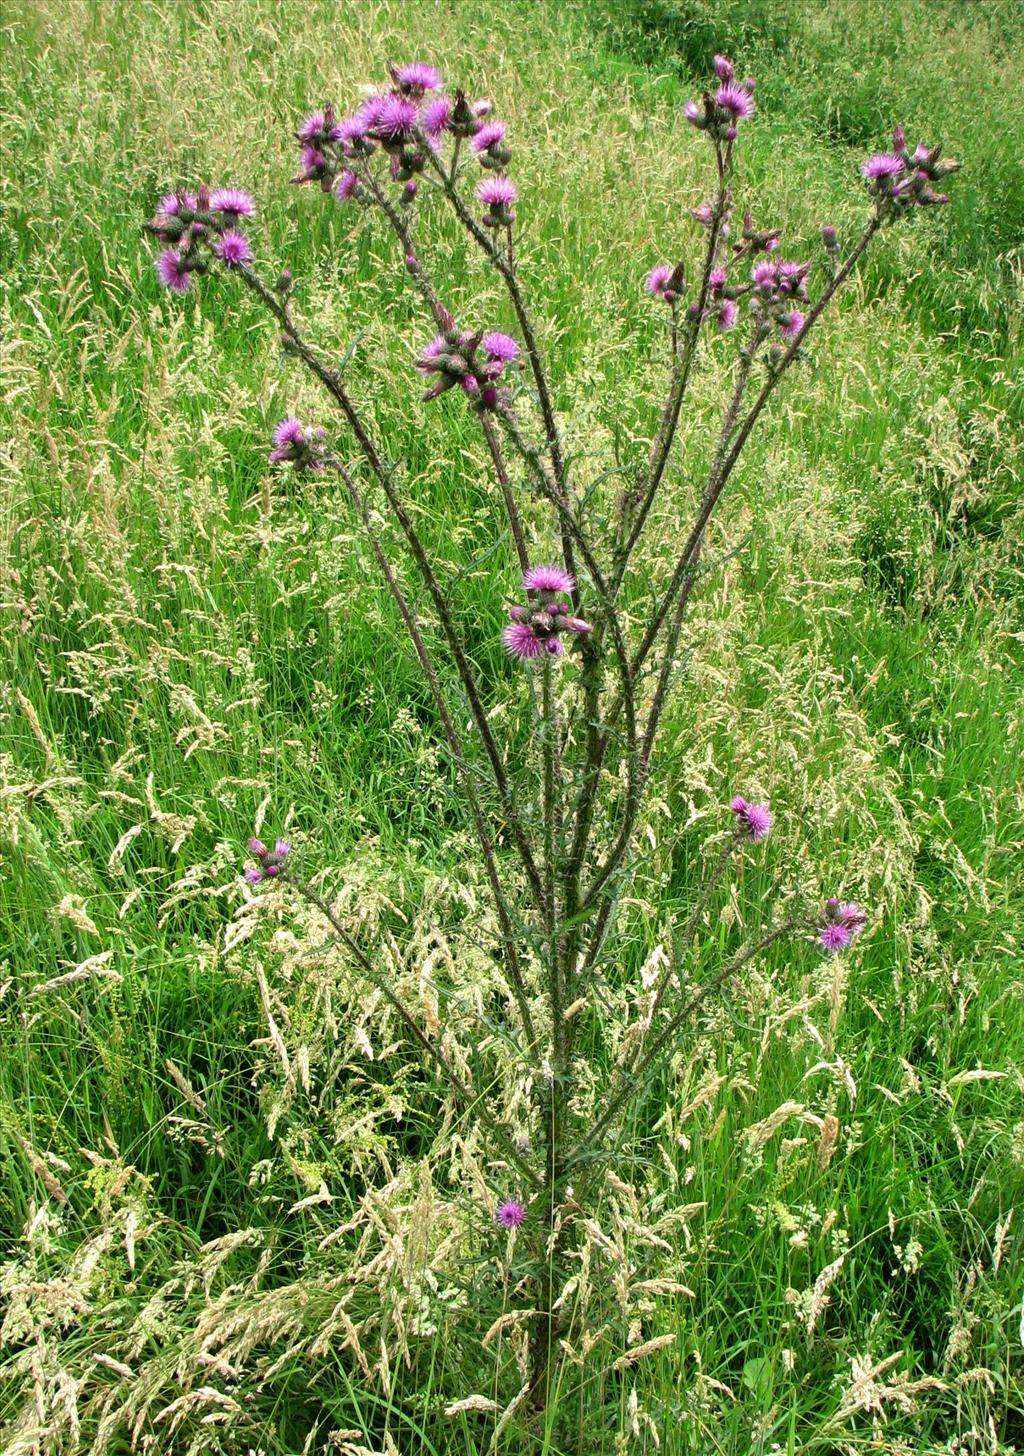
550, 1279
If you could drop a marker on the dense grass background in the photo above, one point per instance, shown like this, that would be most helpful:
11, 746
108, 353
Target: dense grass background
182, 663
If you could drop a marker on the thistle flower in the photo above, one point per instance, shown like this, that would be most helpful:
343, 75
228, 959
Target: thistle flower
695, 114
882, 166
736, 100
548, 579
415, 77
752, 820
346, 186
498, 194
172, 270
430, 354
314, 166
510, 1215
834, 937
829, 237
435, 116
233, 248
500, 347
765, 275
657, 279
482, 108
844, 921
727, 315
270, 860
318, 127
396, 120
297, 444
705, 213
233, 202
791, 324
488, 136
520, 640
724, 70
793, 278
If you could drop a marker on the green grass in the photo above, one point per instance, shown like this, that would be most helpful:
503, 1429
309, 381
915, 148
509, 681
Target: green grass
180, 663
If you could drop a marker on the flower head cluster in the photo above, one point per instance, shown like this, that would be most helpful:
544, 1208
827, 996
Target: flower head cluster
752, 821
407, 122
270, 860
537, 627
475, 362
777, 287
198, 225
511, 1214
844, 921
720, 113
298, 444
906, 177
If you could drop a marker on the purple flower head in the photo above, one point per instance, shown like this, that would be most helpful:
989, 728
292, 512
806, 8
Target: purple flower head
657, 279
233, 202
548, 579
270, 861
318, 127
791, 324
435, 116
736, 100
500, 346
853, 916
427, 363
724, 70
470, 385
234, 248
288, 432
520, 640
396, 119
793, 278
765, 275
554, 646
829, 237
834, 937
314, 165
497, 192
293, 442
346, 186
716, 278
704, 214
482, 108
510, 1215
727, 315
488, 136
171, 270
843, 923
753, 820
577, 625
882, 165
695, 114
416, 77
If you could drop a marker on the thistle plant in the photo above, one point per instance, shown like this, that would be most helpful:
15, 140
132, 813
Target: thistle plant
593, 634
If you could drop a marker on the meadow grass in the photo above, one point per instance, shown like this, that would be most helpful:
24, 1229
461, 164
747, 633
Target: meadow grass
196, 646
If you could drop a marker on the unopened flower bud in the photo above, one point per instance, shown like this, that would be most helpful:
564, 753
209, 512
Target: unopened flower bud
828, 237
284, 282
